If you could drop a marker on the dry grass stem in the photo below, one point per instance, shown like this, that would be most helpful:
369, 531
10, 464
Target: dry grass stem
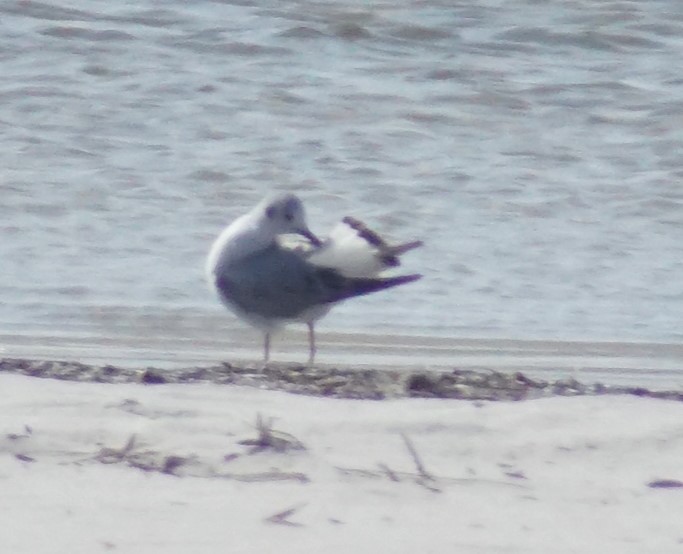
422, 477
114, 455
271, 439
145, 460
280, 518
267, 476
390, 473
422, 472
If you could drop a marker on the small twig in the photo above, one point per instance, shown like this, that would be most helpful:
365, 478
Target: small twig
416, 458
427, 485
424, 477
113, 455
370, 473
280, 518
270, 439
16, 436
266, 476
390, 473
406, 475
24, 458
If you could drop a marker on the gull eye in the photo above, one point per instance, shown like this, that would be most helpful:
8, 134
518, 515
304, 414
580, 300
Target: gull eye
289, 217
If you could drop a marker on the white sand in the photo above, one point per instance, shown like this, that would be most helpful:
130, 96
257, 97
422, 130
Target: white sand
545, 476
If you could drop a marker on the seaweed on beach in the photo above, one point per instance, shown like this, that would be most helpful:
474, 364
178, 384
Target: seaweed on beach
351, 383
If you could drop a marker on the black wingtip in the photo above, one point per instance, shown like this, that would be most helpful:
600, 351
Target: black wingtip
362, 286
402, 279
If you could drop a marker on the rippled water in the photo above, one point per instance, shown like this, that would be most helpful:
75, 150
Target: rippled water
535, 147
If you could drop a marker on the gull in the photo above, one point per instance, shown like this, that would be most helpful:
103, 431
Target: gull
268, 279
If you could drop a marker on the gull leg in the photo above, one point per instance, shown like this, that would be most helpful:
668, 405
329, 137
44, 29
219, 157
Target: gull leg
311, 343
266, 349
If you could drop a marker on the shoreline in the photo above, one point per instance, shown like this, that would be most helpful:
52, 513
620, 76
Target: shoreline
340, 382
657, 366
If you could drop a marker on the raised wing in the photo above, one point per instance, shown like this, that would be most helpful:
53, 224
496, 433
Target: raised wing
282, 283
354, 250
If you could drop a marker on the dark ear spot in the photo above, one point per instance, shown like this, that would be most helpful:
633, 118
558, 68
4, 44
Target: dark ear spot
270, 212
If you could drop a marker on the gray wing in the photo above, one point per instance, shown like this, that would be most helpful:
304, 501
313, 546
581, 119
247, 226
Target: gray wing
280, 283
273, 283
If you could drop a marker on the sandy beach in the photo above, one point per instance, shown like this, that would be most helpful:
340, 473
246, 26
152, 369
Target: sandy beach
204, 467
524, 397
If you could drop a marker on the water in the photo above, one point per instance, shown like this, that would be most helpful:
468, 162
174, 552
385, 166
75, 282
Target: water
534, 146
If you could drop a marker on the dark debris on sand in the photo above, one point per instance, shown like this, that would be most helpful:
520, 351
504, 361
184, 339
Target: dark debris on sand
375, 384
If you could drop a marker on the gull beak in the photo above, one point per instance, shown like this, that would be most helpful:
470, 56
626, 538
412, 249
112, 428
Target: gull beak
315, 241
